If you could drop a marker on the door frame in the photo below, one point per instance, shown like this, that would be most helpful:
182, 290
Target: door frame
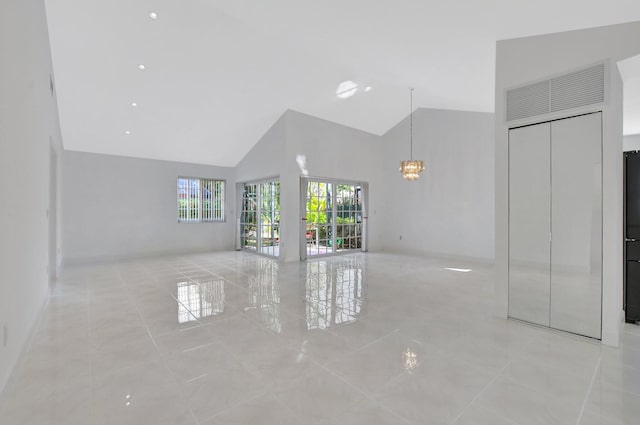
239, 204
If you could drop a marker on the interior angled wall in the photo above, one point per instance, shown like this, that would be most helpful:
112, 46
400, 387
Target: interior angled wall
449, 211
28, 127
331, 151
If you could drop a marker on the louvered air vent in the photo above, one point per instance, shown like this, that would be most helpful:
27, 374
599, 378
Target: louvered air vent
581, 88
528, 101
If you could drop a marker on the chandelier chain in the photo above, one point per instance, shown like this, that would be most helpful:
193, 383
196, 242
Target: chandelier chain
411, 122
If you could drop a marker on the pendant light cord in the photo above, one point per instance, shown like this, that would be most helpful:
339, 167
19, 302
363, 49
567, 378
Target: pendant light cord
411, 122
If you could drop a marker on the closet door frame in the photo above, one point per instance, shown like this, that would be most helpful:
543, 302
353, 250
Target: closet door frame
550, 122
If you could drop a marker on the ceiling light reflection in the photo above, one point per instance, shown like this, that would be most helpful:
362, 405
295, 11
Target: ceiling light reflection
153, 15
346, 89
453, 269
410, 359
302, 163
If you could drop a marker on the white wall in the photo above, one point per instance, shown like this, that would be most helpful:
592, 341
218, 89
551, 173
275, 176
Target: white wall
266, 158
331, 151
524, 60
450, 210
117, 207
631, 143
28, 119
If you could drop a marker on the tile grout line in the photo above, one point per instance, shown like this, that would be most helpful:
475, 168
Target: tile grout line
163, 360
366, 394
586, 397
497, 375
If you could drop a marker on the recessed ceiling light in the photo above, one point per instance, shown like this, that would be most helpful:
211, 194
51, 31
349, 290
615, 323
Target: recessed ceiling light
134, 104
141, 67
346, 89
367, 89
153, 15
127, 132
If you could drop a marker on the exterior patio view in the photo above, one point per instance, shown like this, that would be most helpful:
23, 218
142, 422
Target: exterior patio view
334, 217
260, 218
332, 211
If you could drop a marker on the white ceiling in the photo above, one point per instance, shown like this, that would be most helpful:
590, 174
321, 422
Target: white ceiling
219, 73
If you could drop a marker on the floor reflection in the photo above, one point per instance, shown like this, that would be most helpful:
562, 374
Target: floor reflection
264, 295
200, 299
334, 292
410, 359
109, 350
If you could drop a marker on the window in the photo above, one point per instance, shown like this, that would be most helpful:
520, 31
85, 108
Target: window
200, 199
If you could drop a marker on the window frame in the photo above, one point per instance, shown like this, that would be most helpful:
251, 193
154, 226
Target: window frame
202, 183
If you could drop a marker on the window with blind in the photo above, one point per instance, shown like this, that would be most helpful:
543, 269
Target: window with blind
200, 200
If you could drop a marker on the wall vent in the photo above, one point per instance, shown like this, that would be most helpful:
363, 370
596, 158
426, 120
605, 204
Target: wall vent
574, 90
528, 101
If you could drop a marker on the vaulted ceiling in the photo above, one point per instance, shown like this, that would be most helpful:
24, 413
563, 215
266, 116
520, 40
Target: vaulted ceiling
218, 73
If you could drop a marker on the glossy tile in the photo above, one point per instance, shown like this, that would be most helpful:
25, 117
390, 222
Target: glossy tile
373, 366
376, 339
265, 409
220, 389
475, 415
368, 412
318, 398
526, 406
440, 389
614, 404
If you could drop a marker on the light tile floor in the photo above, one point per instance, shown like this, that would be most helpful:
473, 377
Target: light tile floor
236, 338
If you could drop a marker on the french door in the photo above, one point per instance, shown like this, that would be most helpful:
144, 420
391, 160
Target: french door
334, 217
260, 218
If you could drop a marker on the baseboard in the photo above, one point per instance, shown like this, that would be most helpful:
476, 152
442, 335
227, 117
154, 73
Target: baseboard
438, 255
80, 261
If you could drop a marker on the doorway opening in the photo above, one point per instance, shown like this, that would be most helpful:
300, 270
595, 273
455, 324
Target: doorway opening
630, 73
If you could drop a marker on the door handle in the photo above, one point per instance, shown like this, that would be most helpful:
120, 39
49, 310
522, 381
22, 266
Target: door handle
630, 240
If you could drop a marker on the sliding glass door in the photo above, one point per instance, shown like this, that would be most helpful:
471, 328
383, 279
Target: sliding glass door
333, 217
